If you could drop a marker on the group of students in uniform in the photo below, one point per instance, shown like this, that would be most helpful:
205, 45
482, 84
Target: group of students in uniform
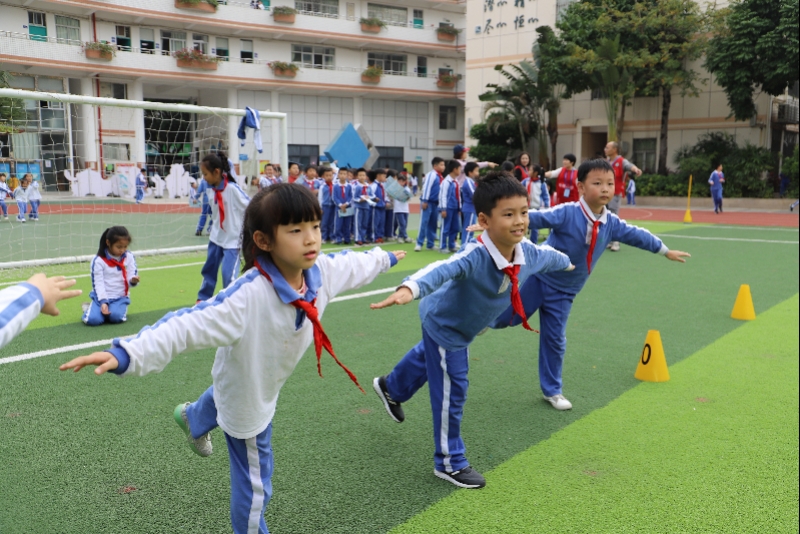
27, 192
263, 321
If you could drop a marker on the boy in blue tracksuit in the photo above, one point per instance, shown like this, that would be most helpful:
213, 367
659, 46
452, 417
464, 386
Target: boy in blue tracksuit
715, 181
468, 216
429, 205
326, 200
363, 222
581, 230
450, 207
378, 194
343, 198
202, 194
5, 191
460, 297
141, 185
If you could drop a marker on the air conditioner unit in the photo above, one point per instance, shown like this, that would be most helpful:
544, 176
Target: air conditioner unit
788, 113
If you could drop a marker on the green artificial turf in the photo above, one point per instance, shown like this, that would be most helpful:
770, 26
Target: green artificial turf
102, 454
715, 449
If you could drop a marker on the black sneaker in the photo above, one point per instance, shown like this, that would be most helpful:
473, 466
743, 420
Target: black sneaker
464, 478
393, 408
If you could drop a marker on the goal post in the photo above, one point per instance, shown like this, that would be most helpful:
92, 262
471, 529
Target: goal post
83, 154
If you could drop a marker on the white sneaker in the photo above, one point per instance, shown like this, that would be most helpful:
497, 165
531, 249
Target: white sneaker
614, 246
200, 446
85, 306
417, 248
559, 402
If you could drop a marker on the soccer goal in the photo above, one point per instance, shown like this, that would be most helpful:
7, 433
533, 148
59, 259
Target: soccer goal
83, 156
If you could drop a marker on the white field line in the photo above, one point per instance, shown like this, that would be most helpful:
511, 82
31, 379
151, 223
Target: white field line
107, 342
2, 284
666, 236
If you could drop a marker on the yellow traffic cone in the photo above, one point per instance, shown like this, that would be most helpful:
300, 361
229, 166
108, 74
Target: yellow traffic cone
743, 307
687, 217
652, 364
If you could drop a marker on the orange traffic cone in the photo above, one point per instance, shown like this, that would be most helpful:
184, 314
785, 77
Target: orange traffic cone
743, 307
652, 364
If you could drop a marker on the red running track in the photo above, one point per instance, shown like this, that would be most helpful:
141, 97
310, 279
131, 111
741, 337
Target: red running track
745, 218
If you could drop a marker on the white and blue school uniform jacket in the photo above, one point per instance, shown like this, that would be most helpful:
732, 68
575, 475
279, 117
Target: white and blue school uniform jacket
326, 197
378, 195
571, 232
4, 191
33, 191
227, 233
22, 195
467, 192
202, 191
260, 337
19, 305
715, 181
449, 197
360, 190
464, 293
107, 281
342, 194
430, 188
538, 196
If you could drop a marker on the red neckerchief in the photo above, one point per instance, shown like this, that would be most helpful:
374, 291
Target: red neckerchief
441, 177
380, 186
320, 337
120, 264
218, 199
512, 271
595, 228
330, 188
363, 190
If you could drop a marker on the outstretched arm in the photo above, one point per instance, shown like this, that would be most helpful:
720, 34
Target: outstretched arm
403, 295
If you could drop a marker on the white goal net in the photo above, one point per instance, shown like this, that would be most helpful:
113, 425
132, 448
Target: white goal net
83, 154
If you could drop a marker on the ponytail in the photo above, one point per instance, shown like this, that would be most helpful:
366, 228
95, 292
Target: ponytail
219, 161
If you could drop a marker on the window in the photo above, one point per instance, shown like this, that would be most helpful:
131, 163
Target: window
422, 66
222, 48
419, 22
316, 57
23, 82
644, 154
123, 38
51, 85
172, 41
351, 11
391, 63
246, 51
116, 151
390, 157
303, 154
397, 16
52, 115
598, 94
147, 40
445, 72
37, 26
325, 8
114, 90
447, 117
68, 29
200, 42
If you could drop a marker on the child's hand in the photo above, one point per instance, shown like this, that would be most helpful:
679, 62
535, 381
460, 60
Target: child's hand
52, 290
424, 205
104, 309
135, 280
399, 254
677, 255
401, 296
105, 360
570, 268
474, 228
444, 215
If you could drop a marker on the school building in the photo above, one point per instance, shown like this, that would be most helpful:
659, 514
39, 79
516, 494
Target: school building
503, 32
413, 112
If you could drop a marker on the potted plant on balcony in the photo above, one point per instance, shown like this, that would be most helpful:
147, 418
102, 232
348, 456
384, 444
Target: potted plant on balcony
209, 6
284, 14
195, 59
446, 81
371, 24
98, 50
283, 69
447, 33
372, 74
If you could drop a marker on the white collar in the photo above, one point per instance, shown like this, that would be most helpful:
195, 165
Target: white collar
499, 260
590, 216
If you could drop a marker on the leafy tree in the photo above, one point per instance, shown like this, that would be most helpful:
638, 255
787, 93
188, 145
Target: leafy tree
666, 35
516, 102
556, 80
493, 144
11, 109
755, 46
